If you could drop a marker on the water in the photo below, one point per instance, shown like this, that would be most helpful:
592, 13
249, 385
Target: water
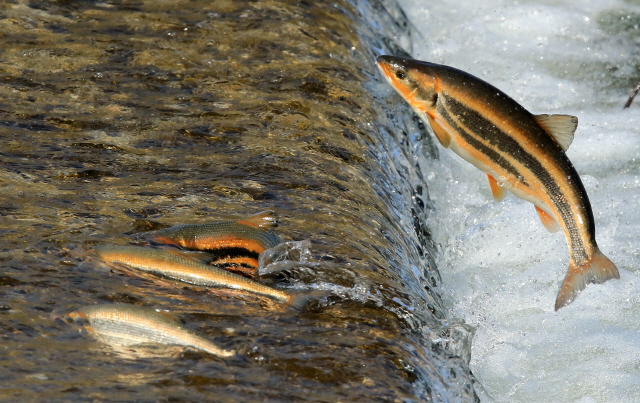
118, 117
501, 269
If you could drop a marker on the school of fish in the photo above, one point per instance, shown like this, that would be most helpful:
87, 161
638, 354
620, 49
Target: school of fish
205, 253
518, 151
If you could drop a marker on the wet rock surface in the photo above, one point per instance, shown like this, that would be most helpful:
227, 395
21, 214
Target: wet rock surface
125, 116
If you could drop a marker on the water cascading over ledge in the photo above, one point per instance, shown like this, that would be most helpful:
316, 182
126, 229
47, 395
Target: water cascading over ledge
117, 115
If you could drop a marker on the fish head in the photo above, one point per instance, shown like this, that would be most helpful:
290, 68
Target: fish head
414, 80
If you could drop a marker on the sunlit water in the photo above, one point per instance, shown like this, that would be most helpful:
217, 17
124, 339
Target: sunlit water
501, 269
117, 117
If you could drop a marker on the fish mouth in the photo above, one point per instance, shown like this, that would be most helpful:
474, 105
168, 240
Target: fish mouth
386, 65
390, 63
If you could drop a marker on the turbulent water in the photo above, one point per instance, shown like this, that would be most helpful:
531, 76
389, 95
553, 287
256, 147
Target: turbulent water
501, 269
119, 117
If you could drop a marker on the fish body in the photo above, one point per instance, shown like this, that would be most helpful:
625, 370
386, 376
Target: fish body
250, 234
520, 152
171, 265
128, 325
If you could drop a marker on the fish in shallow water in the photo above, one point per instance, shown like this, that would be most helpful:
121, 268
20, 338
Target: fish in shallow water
250, 233
237, 242
518, 151
129, 325
168, 264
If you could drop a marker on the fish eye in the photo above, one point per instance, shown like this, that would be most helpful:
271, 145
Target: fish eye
401, 74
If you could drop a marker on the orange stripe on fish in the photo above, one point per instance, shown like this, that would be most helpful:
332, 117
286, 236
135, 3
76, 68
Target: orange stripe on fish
250, 234
518, 151
167, 264
212, 243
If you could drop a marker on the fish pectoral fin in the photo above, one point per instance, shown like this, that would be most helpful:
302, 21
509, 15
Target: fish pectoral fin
597, 270
265, 219
560, 127
497, 191
441, 134
549, 223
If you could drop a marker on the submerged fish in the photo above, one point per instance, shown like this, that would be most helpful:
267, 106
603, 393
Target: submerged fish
519, 152
250, 234
168, 264
128, 325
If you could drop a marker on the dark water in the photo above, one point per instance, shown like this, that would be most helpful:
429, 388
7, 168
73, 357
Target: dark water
118, 116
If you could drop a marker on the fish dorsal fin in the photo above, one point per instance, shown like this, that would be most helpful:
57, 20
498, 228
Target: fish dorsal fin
265, 219
441, 134
549, 223
560, 127
497, 191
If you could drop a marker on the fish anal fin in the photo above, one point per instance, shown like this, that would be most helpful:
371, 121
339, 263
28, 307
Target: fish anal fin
441, 134
497, 191
549, 223
560, 127
597, 270
265, 219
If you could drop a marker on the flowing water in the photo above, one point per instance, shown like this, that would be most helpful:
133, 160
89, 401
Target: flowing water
118, 117
501, 269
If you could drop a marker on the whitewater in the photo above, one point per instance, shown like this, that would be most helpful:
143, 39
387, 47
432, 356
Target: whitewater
501, 268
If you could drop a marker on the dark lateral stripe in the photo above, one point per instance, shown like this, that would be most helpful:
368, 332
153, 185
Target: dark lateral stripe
507, 145
470, 138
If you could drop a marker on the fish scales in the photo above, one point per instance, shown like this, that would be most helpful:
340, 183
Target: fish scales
501, 143
479, 143
129, 325
219, 235
519, 152
167, 264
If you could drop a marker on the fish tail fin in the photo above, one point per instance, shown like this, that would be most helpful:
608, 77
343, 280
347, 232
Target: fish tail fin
75, 315
597, 270
264, 219
298, 300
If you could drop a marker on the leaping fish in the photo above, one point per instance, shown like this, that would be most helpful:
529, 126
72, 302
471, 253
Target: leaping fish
519, 152
129, 325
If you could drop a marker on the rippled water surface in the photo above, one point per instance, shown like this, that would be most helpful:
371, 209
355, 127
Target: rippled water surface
118, 117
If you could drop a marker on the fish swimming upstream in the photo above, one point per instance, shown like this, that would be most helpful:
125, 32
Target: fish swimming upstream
234, 242
518, 151
172, 265
251, 234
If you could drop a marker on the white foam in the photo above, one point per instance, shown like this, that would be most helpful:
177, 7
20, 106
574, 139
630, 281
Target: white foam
501, 269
